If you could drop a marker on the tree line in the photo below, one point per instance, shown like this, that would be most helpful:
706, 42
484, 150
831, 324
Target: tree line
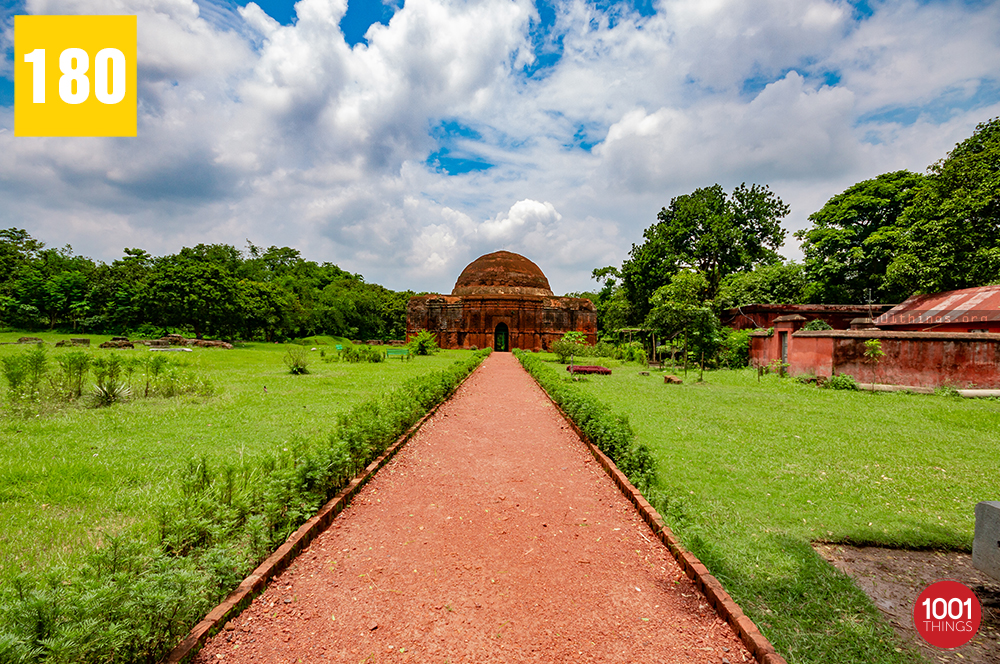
879, 241
208, 290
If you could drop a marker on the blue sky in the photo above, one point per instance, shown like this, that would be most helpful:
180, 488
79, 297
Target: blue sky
402, 140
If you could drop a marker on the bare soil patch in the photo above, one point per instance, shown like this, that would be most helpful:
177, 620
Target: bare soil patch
493, 536
894, 578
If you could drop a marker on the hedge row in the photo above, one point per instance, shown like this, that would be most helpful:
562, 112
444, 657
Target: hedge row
136, 596
612, 433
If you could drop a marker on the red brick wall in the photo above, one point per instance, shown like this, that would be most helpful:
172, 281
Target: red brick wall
924, 359
533, 322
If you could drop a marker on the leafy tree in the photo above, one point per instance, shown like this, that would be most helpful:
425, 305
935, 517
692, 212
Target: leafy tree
679, 311
189, 291
781, 283
118, 290
950, 235
713, 233
17, 251
853, 239
265, 310
211, 289
614, 311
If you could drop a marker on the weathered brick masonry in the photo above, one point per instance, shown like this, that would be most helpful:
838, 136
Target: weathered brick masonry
501, 300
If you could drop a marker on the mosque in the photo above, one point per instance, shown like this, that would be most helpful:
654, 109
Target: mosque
501, 300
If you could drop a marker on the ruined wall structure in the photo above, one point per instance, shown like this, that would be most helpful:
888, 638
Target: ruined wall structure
955, 343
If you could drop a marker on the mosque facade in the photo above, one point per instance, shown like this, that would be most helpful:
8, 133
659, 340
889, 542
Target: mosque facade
501, 300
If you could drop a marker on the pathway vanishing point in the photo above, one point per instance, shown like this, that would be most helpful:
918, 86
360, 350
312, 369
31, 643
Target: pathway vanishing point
493, 536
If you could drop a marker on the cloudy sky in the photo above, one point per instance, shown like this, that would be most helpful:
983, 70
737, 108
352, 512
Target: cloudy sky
403, 140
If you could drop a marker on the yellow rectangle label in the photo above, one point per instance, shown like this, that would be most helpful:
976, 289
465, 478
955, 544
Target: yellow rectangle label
75, 76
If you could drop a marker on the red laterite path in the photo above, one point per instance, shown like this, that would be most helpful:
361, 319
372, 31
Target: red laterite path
493, 536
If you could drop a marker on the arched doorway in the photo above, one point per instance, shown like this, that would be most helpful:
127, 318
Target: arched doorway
500, 338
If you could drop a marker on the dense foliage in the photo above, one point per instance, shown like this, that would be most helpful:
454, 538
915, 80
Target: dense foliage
880, 240
849, 246
208, 290
708, 231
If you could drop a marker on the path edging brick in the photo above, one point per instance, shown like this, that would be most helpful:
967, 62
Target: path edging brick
717, 597
285, 554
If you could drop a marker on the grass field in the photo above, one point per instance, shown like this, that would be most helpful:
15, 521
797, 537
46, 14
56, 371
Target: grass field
755, 471
72, 476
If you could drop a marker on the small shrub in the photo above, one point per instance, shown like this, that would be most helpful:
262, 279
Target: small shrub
362, 353
817, 324
734, 351
946, 391
841, 382
107, 369
74, 367
109, 393
425, 343
37, 365
297, 360
565, 349
15, 370
633, 351
603, 349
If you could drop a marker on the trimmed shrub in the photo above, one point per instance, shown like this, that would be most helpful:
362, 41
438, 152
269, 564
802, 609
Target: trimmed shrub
612, 433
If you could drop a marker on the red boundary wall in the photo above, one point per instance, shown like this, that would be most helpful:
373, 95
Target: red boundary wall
922, 359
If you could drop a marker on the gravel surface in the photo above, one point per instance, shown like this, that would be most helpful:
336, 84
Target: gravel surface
493, 536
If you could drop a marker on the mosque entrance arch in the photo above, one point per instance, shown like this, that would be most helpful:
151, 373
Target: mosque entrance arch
501, 338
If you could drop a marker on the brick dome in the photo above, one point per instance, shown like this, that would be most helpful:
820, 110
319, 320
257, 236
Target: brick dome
502, 273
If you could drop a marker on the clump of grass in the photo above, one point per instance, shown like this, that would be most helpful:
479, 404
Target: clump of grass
297, 360
946, 391
109, 393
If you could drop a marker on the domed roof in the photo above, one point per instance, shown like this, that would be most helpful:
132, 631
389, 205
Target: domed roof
502, 273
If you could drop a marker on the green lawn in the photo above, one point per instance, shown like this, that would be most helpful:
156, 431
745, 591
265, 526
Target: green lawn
71, 476
754, 471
